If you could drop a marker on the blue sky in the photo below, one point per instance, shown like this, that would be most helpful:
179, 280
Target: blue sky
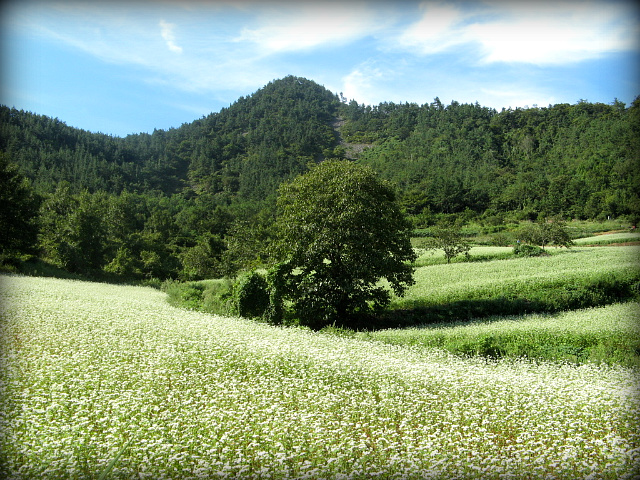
121, 67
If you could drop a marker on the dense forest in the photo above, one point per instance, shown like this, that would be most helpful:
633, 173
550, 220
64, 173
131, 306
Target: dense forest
198, 200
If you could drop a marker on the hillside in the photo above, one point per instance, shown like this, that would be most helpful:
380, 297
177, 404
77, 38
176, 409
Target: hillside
176, 202
246, 149
575, 160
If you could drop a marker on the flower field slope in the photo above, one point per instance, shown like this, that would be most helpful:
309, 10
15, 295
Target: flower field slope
87, 367
624, 237
519, 277
609, 334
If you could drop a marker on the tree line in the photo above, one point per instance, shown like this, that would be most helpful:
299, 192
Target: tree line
200, 200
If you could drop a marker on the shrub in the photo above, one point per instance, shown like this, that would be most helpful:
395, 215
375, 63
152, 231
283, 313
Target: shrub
525, 250
448, 237
218, 299
251, 295
501, 239
547, 232
185, 295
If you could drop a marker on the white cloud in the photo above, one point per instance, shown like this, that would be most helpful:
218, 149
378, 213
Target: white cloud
554, 33
166, 31
362, 84
225, 48
308, 25
436, 31
401, 80
540, 33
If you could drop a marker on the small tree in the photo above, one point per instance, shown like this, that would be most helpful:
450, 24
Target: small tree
448, 238
340, 231
547, 232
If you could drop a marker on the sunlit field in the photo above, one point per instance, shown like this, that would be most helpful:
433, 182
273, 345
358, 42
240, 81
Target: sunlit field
433, 257
609, 238
441, 284
87, 367
609, 334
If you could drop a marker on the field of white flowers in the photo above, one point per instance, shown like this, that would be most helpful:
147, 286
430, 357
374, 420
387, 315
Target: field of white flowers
440, 284
609, 238
87, 367
609, 334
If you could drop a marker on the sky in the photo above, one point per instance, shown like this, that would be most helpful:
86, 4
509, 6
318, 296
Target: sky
123, 67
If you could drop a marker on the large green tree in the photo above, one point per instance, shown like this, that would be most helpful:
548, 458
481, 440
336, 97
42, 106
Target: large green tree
340, 231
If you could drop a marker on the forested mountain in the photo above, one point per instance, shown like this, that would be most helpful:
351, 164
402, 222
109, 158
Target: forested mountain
246, 149
198, 200
577, 161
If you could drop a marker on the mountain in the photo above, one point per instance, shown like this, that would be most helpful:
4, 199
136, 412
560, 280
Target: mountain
575, 160
172, 203
244, 150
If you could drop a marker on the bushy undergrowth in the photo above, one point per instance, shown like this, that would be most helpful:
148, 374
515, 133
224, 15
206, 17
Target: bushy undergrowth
246, 296
524, 250
251, 295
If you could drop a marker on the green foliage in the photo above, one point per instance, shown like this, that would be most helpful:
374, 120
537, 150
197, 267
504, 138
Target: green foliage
123, 264
547, 232
246, 296
247, 243
198, 201
72, 233
202, 260
251, 295
280, 288
448, 238
567, 160
217, 298
187, 295
18, 213
526, 250
340, 231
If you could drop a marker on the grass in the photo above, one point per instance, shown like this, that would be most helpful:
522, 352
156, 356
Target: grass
586, 228
84, 364
609, 334
624, 237
476, 254
492, 282
568, 279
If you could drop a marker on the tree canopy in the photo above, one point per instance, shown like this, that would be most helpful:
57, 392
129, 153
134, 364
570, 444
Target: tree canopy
19, 210
339, 232
198, 200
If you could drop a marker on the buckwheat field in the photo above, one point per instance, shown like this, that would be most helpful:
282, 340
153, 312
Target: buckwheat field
88, 367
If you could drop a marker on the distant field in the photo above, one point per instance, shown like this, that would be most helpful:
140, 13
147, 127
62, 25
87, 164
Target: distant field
434, 257
531, 277
84, 367
608, 238
608, 334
